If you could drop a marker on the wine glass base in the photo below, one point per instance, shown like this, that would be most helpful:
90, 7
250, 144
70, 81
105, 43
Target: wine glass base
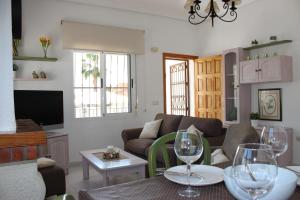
189, 192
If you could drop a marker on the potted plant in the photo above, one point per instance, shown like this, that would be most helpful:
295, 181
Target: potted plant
254, 117
15, 69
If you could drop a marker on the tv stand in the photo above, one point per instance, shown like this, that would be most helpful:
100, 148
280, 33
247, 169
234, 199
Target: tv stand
58, 149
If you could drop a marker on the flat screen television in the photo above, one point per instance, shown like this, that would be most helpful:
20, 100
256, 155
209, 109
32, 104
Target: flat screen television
43, 107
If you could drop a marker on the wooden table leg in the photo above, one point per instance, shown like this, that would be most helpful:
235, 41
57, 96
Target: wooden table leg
85, 168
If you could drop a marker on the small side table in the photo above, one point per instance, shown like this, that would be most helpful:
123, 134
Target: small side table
109, 168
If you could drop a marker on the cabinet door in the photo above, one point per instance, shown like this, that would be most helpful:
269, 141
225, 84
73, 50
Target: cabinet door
248, 71
58, 150
270, 69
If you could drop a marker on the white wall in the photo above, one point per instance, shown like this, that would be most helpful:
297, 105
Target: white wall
259, 21
43, 18
7, 118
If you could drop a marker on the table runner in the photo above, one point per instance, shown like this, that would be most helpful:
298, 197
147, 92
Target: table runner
158, 188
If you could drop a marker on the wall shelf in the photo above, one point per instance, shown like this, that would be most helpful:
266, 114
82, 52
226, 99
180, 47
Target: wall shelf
268, 44
31, 79
29, 58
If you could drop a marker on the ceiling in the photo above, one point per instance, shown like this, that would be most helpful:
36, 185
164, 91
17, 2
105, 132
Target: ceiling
167, 8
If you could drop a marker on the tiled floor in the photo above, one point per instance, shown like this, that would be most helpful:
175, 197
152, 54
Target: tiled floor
75, 182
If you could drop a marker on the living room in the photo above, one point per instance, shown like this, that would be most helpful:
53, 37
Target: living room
165, 29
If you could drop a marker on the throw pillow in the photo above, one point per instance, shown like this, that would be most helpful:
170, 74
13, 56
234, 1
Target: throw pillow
218, 157
45, 162
193, 128
150, 129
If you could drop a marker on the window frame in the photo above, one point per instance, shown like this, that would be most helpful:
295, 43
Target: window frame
132, 92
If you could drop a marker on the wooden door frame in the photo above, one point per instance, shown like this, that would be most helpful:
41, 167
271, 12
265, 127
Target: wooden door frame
173, 56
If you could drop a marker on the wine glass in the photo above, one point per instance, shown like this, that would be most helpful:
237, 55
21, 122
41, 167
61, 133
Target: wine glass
254, 169
188, 147
276, 137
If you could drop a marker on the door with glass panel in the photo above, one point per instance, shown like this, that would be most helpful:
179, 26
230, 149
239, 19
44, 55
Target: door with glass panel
179, 88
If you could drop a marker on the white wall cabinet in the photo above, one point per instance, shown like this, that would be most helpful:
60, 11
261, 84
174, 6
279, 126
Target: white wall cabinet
58, 149
273, 69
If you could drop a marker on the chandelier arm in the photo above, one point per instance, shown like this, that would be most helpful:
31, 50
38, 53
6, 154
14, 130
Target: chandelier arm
192, 17
197, 9
225, 7
232, 13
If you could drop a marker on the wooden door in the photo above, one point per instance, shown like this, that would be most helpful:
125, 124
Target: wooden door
179, 89
249, 71
208, 88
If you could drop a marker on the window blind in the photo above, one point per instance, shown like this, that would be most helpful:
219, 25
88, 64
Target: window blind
85, 36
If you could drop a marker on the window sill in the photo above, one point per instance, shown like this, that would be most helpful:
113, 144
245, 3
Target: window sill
114, 116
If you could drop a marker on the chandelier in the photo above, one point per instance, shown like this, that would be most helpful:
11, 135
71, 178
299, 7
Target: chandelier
196, 16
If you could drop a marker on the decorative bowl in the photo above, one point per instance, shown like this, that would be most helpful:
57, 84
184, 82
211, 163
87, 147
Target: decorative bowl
284, 187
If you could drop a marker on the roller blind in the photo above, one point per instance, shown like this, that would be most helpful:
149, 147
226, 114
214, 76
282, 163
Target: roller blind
102, 38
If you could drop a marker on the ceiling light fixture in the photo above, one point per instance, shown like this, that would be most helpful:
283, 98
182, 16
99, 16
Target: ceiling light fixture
196, 16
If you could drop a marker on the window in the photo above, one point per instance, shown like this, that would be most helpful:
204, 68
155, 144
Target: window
102, 83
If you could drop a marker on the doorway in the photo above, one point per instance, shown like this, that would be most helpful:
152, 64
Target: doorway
178, 84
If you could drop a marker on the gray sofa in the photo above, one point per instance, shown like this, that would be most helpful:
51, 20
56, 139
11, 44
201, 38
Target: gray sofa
212, 128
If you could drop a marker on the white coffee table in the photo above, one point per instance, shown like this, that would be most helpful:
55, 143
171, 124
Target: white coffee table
127, 163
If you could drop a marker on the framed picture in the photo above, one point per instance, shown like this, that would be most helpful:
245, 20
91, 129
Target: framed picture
269, 104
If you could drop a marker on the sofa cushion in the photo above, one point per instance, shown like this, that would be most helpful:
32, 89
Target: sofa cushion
138, 146
218, 157
150, 129
193, 129
45, 162
238, 134
169, 124
210, 127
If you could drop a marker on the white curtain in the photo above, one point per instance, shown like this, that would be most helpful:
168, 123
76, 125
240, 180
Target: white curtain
102, 38
7, 113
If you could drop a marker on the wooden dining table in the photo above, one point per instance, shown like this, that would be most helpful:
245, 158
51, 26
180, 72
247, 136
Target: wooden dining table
159, 188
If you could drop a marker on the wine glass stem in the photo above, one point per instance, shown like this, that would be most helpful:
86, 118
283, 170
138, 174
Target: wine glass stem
188, 176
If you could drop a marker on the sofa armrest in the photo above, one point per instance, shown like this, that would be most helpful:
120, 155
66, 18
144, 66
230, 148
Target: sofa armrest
54, 178
130, 134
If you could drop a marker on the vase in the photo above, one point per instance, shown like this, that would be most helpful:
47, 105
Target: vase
45, 51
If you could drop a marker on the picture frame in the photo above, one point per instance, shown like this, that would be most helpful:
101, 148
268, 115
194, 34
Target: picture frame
270, 104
